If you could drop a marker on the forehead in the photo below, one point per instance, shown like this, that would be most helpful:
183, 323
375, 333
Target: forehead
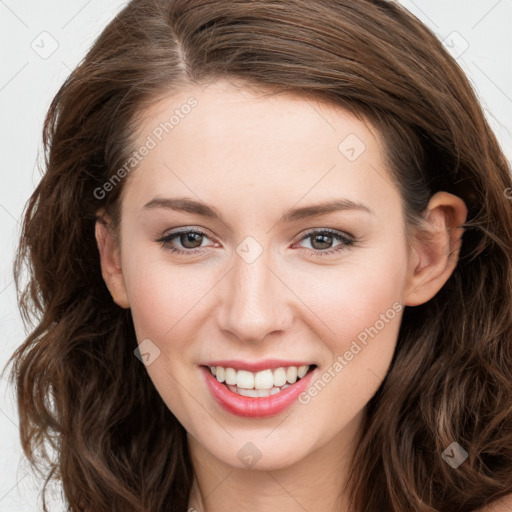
223, 142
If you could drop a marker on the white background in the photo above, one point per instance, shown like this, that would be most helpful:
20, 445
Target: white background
29, 78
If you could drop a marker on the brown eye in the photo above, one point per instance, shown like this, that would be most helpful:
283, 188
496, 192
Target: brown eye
190, 239
321, 241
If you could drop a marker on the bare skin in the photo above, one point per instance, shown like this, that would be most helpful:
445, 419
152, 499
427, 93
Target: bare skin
254, 157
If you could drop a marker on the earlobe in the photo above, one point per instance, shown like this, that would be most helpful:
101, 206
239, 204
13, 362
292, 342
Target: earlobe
435, 248
110, 261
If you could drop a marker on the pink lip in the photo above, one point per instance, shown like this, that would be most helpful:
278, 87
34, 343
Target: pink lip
257, 365
255, 407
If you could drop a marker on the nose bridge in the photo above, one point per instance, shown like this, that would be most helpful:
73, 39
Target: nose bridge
254, 301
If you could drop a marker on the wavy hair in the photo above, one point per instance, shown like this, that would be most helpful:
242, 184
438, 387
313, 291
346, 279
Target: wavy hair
87, 401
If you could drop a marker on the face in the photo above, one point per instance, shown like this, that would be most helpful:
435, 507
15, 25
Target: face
262, 240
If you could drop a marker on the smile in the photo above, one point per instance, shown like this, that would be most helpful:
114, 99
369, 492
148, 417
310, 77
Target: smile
259, 384
257, 394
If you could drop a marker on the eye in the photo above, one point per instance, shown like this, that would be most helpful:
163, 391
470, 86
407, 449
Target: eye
321, 241
189, 239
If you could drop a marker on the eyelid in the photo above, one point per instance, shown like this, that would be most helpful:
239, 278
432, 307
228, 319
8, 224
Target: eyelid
186, 229
336, 232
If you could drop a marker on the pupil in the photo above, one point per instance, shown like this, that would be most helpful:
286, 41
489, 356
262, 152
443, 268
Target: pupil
323, 239
189, 240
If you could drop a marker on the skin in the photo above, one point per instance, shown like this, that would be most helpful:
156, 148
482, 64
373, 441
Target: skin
255, 156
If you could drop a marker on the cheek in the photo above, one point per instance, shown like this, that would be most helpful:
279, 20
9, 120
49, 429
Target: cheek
356, 296
358, 320
165, 301
359, 327
163, 295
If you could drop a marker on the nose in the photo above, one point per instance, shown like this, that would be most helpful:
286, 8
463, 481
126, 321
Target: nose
255, 301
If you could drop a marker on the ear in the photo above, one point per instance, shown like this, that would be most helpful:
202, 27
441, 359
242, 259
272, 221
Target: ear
110, 260
435, 247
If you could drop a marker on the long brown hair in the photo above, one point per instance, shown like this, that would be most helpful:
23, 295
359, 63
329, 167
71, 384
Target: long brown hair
116, 446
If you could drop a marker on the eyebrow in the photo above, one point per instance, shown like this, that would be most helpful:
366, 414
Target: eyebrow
183, 204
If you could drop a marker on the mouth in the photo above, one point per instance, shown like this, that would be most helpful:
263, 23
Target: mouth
258, 394
259, 384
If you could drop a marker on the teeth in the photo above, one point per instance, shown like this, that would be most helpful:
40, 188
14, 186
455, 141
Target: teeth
220, 374
244, 379
264, 380
253, 393
291, 374
230, 376
302, 370
262, 383
279, 377
260, 393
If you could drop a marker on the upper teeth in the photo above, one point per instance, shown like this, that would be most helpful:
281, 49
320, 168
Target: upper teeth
265, 379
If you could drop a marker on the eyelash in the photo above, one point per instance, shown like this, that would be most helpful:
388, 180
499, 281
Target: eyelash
347, 241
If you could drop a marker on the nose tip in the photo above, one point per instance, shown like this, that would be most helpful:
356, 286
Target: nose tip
255, 303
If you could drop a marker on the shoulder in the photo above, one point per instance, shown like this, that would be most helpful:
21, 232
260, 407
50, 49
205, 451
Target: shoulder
502, 505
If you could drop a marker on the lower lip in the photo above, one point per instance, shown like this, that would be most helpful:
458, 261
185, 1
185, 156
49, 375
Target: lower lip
255, 407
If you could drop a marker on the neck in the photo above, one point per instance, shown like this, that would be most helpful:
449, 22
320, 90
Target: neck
316, 482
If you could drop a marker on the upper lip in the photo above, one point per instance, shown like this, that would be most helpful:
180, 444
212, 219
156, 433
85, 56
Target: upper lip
256, 366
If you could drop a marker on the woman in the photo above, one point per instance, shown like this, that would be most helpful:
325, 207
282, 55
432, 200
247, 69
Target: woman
270, 262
